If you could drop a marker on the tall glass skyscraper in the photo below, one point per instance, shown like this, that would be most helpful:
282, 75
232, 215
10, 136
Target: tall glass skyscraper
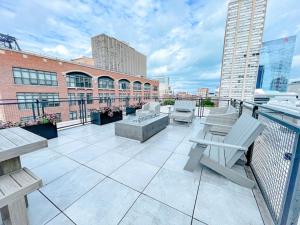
276, 60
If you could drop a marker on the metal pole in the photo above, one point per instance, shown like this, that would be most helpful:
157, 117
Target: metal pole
33, 112
85, 111
291, 207
109, 102
38, 107
241, 108
199, 107
80, 110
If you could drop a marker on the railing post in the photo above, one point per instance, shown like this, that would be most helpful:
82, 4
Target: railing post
33, 111
43, 103
38, 107
199, 108
80, 105
249, 153
109, 102
241, 108
85, 111
291, 205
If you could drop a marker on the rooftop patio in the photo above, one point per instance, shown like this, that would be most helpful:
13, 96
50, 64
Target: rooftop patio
92, 177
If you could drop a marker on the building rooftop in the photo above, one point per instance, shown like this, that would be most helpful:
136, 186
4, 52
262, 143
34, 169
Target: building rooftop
93, 177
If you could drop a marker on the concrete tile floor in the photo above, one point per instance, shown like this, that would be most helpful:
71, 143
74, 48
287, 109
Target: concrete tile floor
95, 183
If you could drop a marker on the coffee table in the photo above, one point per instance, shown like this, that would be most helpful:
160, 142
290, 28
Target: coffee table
141, 129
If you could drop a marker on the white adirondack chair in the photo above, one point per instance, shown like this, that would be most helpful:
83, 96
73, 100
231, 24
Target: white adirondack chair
221, 120
221, 154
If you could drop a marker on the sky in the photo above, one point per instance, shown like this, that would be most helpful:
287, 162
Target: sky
182, 39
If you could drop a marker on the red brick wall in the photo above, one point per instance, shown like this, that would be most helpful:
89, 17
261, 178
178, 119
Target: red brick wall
8, 89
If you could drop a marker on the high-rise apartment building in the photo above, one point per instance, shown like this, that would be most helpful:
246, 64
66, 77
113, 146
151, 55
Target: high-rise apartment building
117, 56
242, 43
276, 58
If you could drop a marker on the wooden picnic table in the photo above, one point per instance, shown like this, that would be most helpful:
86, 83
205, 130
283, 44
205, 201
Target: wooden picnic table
15, 142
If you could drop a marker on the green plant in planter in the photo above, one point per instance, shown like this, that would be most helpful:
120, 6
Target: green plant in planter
168, 102
208, 103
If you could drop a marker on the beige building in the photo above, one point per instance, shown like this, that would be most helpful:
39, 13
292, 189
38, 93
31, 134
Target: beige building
164, 86
242, 43
84, 60
114, 55
203, 92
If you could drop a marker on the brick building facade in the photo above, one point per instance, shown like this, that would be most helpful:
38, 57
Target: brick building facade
26, 76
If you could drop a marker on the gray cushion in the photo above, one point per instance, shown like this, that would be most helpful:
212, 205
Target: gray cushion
182, 110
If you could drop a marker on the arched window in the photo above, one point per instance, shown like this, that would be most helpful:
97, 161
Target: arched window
147, 87
106, 83
124, 84
137, 86
79, 79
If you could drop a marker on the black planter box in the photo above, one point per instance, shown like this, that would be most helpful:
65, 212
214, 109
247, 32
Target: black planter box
102, 118
47, 130
130, 110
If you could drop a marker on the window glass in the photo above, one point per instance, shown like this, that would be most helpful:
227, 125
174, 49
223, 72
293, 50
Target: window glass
34, 77
79, 80
27, 99
89, 98
124, 84
106, 83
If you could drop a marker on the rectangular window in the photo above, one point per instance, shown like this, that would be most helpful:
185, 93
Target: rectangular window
72, 98
89, 98
26, 100
73, 115
34, 77
104, 97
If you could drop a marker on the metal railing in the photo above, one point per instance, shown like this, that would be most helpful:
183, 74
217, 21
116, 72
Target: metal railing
76, 111
274, 157
274, 160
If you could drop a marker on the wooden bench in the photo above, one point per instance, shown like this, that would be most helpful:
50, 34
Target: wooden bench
13, 189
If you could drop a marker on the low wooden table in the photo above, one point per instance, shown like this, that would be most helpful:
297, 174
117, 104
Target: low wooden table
143, 130
15, 142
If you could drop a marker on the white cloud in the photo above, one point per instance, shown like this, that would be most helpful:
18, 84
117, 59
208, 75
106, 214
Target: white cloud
181, 40
164, 54
59, 49
162, 70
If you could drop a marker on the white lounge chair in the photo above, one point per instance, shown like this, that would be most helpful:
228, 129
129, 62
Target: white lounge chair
221, 155
150, 108
184, 111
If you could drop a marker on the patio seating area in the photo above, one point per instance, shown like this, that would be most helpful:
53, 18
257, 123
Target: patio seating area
92, 177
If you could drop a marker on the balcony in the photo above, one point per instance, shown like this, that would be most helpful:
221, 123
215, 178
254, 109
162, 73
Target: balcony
93, 177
